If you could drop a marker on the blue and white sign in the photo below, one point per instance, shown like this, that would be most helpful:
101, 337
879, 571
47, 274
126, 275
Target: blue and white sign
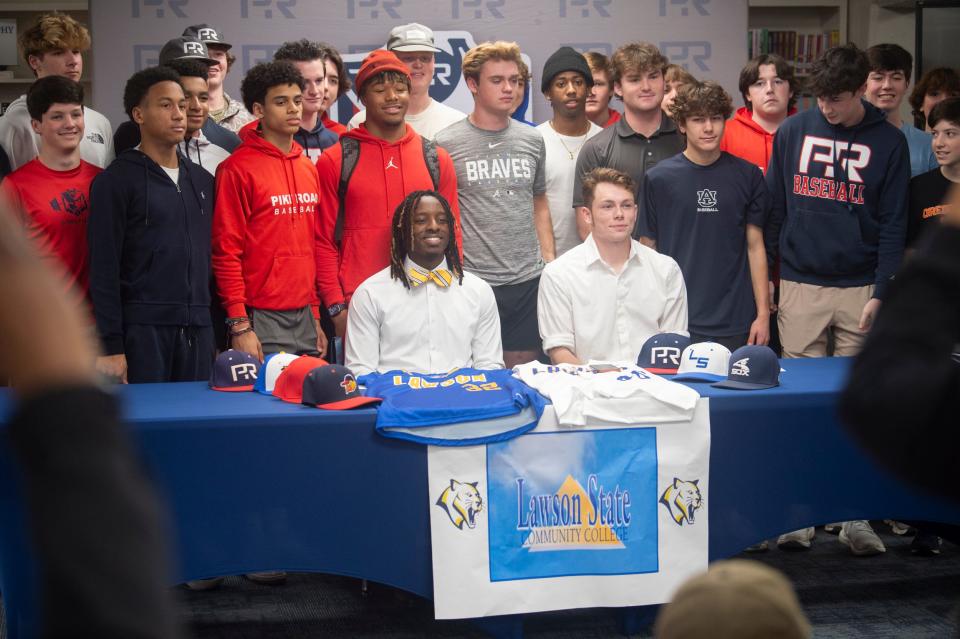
603, 515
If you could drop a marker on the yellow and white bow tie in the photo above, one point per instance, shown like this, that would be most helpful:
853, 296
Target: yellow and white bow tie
441, 277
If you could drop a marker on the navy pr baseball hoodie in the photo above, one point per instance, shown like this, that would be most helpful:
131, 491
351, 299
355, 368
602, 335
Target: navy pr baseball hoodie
838, 200
149, 246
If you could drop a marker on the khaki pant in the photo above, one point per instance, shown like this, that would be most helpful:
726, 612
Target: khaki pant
808, 312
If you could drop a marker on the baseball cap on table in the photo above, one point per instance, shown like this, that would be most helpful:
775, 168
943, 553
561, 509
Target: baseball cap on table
735, 598
411, 37
289, 384
234, 371
752, 368
207, 35
334, 387
704, 362
376, 62
185, 49
660, 354
273, 365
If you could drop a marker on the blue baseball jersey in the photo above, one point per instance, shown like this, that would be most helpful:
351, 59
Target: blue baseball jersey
461, 408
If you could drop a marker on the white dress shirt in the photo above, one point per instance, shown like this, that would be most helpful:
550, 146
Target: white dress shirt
424, 329
598, 314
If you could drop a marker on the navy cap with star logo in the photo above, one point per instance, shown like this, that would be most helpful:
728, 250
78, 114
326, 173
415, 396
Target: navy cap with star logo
334, 387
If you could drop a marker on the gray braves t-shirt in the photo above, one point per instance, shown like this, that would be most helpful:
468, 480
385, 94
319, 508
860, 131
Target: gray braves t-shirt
498, 174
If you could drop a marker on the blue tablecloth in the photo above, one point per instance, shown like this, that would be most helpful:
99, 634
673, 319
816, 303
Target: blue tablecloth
253, 483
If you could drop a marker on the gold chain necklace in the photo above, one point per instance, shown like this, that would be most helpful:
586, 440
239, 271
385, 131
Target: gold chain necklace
567, 148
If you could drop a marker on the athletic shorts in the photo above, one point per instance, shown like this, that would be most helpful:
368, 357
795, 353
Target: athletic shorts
517, 306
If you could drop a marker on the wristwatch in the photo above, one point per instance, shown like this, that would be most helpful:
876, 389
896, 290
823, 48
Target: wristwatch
336, 309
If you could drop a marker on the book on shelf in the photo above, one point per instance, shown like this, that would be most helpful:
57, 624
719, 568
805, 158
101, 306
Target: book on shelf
798, 48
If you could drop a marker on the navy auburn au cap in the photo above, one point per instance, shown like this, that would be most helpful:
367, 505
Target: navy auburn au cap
234, 371
752, 368
334, 387
661, 352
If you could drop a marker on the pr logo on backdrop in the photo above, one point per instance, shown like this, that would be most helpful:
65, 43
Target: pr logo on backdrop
684, 6
374, 9
448, 84
145, 55
158, 8
253, 54
686, 53
584, 8
477, 9
268, 9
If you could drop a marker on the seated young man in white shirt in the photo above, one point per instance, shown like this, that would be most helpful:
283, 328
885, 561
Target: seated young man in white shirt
601, 300
422, 313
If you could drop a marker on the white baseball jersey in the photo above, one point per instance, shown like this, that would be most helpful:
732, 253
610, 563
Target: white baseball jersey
623, 394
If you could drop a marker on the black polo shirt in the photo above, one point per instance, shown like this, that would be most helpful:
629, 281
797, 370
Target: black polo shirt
620, 147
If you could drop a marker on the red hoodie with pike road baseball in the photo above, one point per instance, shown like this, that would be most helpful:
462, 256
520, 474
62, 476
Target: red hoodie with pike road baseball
263, 227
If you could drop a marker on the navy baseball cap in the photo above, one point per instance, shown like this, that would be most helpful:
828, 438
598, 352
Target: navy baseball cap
234, 371
661, 353
334, 387
752, 368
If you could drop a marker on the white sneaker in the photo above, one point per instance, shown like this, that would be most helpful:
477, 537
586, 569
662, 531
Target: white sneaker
796, 540
898, 528
861, 538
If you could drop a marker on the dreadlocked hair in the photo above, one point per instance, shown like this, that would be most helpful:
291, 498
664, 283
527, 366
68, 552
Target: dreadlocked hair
402, 236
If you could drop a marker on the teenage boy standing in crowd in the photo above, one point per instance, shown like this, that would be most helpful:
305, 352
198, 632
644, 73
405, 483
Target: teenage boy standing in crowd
706, 209
644, 135
930, 192
312, 136
598, 102
225, 111
507, 232
389, 160
566, 83
267, 195
337, 83
51, 192
414, 45
890, 68
149, 238
838, 185
54, 45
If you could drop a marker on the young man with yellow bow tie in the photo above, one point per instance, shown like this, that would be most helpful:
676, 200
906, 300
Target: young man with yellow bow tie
422, 313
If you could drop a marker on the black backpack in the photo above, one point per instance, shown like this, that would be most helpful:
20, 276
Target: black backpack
351, 155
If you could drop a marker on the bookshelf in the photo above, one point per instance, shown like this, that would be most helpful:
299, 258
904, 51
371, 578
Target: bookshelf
798, 30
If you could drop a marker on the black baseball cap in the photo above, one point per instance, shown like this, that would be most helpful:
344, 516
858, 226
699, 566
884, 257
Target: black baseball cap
334, 387
185, 49
208, 35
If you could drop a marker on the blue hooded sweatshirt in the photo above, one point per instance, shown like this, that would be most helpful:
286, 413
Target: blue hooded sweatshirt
838, 200
149, 246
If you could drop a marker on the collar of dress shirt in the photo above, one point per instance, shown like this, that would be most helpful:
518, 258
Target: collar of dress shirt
592, 253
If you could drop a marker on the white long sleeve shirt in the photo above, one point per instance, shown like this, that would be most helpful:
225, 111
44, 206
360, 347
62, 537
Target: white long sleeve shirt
599, 314
424, 329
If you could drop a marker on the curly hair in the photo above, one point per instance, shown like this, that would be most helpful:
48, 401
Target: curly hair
140, 82
402, 239
53, 89
298, 51
750, 73
839, 70
264, 76
475, 58
52, 32
940, 79
704, 98
637, 56
605, 175
189, 68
